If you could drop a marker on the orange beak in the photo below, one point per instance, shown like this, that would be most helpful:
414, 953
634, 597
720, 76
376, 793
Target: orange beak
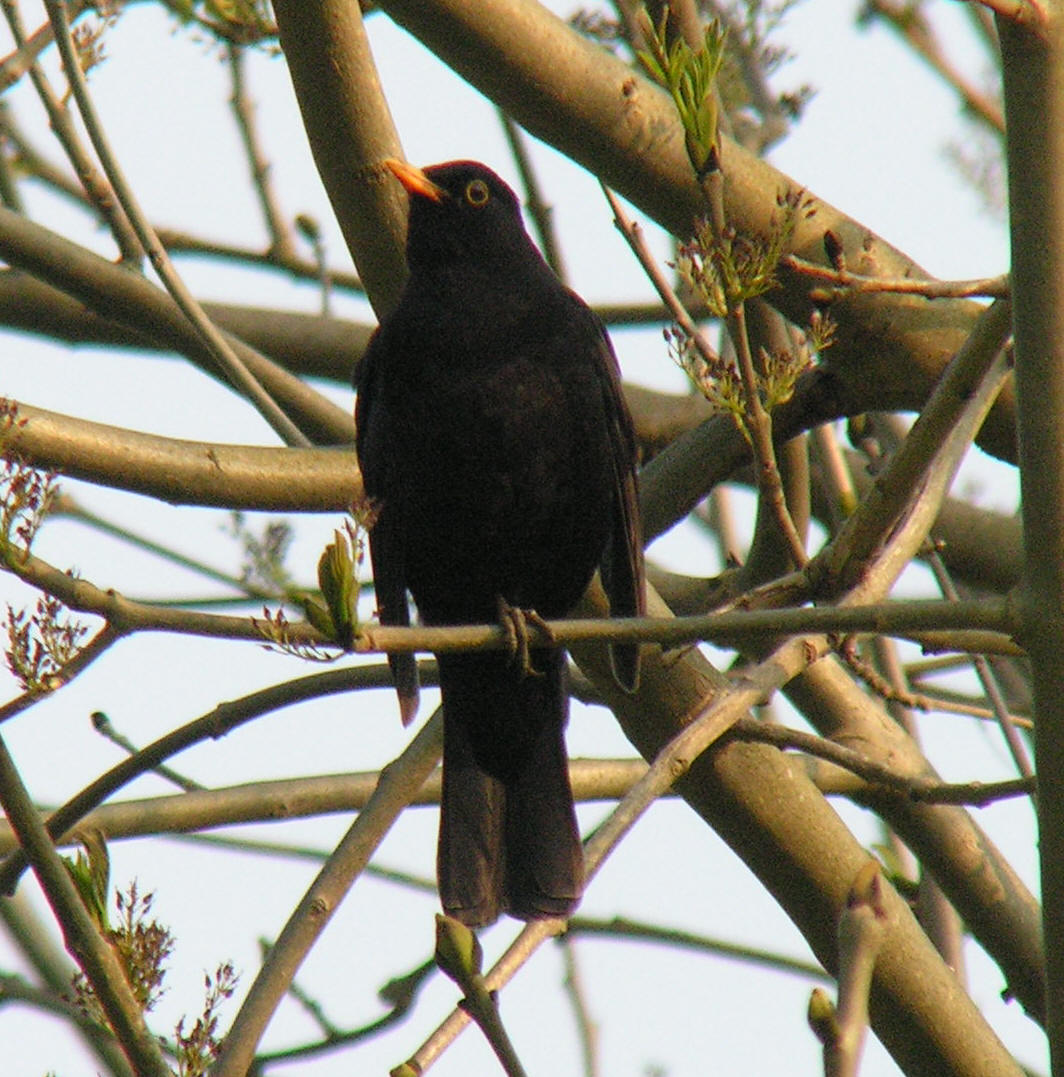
414, 180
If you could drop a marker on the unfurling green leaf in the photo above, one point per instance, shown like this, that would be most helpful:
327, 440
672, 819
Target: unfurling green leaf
691, 79
90, 871
338, 580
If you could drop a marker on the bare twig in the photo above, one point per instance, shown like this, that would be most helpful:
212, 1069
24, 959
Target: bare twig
896, 618
918, 33
712, 722
460, 957
621, 928
844, 282
215, 723
1015, 743
862, 930
267, 801
281, 246
633, 234
539, 208
586, 1026
29, 47
881, 777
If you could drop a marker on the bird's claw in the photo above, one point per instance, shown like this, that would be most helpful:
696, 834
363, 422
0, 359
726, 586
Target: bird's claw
515, 622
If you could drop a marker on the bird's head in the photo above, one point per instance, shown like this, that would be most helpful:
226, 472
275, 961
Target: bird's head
460, 212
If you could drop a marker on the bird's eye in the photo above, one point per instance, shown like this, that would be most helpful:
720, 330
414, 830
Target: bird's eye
477, 193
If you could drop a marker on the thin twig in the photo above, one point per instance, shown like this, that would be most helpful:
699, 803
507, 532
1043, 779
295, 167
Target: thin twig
845, 282
913, 26
621, 928
633, 234
86, 655
905, 619
880, 777
987, 679
106, 728
862, 930
188, 815
586, 1026
64, 505
28, 48
541, 211
399, 782
36, 166
281, 245
215, 723
756, 420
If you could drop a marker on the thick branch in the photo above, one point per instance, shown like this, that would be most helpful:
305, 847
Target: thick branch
350, 130
1033, 66
189, 472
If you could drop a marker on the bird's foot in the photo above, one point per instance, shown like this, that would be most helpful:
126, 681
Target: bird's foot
515, 622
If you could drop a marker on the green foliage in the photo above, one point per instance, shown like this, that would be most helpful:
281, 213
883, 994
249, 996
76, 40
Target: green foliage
335, 613
338, 579
725, 271
717, 381
690, 77
88, 37
458, 951
41, 644
90, 872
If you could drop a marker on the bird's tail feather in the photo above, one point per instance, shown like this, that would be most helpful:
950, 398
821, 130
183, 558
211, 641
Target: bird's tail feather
508, 834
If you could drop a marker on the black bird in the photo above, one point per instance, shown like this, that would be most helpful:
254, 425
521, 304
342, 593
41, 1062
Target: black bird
499, 460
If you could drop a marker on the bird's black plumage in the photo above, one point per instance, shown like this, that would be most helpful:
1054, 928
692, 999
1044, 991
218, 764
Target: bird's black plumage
500, 459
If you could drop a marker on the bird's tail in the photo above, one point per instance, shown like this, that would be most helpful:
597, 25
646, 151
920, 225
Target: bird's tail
508, 835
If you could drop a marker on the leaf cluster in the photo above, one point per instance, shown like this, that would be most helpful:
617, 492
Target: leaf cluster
690, 77
141, 944
143, 947
728, 268
41, 644
26, 493
195, 1050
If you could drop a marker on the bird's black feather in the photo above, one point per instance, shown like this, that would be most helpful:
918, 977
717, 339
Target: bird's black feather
500, 459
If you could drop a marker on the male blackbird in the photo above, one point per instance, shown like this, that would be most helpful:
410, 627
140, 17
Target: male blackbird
499, 457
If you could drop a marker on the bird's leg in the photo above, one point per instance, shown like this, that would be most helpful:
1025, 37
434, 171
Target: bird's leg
515, 622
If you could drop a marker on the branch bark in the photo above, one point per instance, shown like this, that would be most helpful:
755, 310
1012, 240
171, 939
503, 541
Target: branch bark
1033, 66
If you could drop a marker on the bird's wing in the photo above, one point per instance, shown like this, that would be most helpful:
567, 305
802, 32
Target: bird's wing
385, 547
623, 565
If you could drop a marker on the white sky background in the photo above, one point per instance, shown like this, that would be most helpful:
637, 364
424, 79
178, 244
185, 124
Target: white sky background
872, 143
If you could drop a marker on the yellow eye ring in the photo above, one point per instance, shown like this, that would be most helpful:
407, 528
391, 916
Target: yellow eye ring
477, 193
